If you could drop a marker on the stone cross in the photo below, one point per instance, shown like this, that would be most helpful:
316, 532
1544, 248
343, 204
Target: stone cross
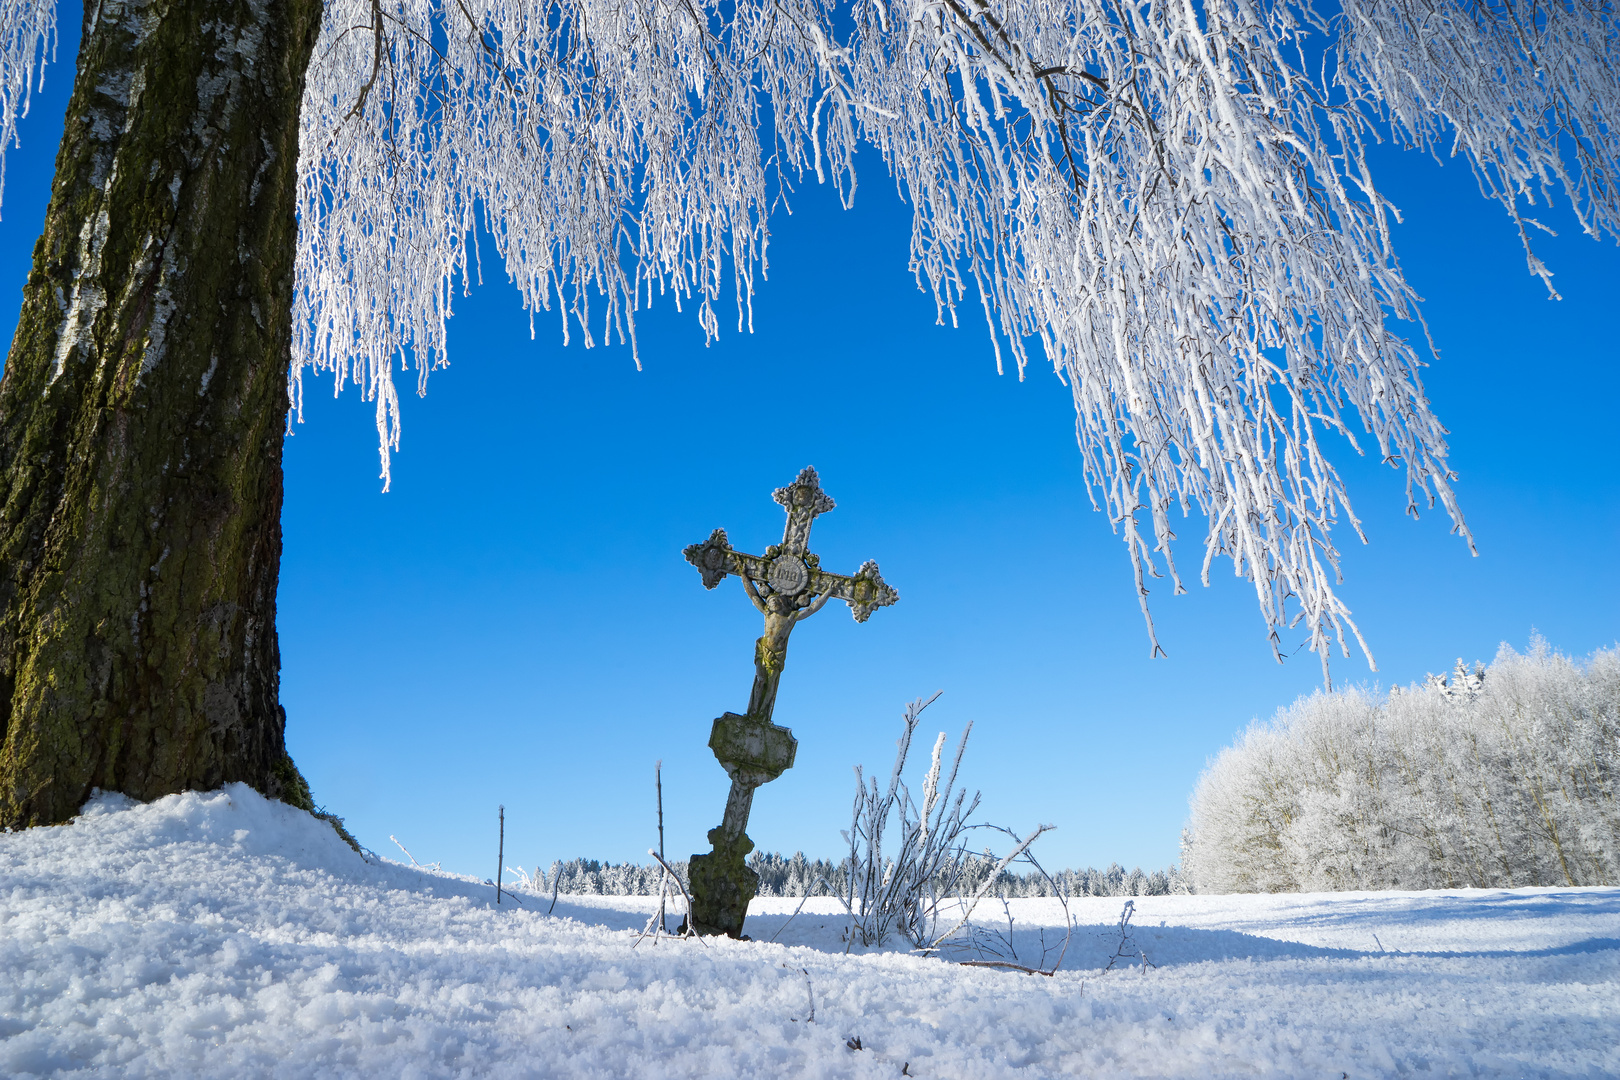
787, 585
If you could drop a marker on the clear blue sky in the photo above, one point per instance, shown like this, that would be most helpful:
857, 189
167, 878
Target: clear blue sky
514, 622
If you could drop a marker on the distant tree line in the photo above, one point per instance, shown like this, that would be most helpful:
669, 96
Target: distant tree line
1498, 777
799, 876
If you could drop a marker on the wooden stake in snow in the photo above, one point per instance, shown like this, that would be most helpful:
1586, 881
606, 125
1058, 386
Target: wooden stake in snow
788, 586
663, 891
500, 855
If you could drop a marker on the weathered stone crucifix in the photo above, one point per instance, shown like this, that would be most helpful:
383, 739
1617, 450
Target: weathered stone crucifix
788, 586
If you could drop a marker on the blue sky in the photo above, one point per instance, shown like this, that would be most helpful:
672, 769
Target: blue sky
514, 623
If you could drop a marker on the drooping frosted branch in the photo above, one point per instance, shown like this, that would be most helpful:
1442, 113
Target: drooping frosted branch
27, 41
1168, 209
1528, 92
1165, 200
612, 149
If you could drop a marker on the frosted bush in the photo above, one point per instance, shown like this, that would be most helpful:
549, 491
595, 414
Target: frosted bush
1500, 780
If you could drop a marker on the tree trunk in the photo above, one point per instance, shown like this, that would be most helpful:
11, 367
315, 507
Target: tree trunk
142, 413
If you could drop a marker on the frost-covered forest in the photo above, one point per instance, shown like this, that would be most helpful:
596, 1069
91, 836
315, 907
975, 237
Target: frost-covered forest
1498, 777
798, 876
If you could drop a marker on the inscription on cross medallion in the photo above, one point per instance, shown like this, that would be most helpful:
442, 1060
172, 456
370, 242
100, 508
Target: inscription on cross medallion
788, 575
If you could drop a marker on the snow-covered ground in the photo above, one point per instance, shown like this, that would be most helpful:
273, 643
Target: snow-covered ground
223, 935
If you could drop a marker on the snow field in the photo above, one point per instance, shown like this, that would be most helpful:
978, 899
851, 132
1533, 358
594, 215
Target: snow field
221, 934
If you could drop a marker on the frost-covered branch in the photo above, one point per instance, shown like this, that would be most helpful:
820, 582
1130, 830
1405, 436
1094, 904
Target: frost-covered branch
612, 150
1167, 201
27, 41
1524, 91
927, 863
1156, 200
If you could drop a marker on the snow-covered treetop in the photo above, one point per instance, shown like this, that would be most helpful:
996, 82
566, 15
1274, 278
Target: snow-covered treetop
1166, 201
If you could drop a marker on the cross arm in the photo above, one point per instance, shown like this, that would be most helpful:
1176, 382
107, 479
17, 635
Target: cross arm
865, 591
715, 558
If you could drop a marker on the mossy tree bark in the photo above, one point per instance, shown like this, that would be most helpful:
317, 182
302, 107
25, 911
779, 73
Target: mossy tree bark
142, 412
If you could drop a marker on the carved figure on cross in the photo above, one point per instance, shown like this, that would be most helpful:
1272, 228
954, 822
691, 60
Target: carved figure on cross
787, 585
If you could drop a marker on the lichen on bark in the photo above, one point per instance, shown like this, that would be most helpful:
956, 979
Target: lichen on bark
142, 412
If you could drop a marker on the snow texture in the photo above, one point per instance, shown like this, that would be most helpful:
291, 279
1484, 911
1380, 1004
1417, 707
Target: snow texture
222, 934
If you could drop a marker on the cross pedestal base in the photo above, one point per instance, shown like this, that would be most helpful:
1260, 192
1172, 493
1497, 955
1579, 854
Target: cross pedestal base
753, 751
722, 885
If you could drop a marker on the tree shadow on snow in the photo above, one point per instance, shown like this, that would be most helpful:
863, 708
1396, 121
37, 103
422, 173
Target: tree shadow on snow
1094, 947
1412, 911
1091, 947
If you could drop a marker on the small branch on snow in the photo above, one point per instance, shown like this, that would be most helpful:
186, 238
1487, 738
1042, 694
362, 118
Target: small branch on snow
810, 993
819, 880
989, 881
1025, 968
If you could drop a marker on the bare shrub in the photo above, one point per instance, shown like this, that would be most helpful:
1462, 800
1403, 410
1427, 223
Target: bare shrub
901, 890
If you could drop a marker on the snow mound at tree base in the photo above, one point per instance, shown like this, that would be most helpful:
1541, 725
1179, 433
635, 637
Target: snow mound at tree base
221, 934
